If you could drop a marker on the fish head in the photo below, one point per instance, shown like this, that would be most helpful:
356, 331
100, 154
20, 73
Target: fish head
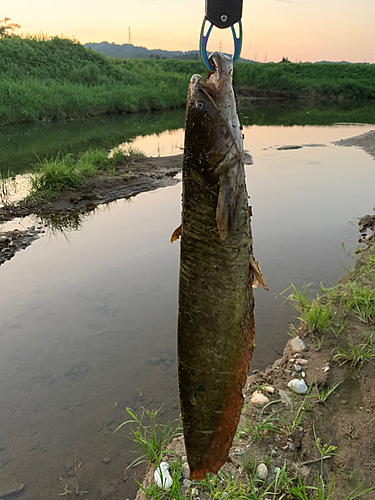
211, 120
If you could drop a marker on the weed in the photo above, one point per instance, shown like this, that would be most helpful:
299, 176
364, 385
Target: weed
357, 355
313, 313
319, 341
152, 437
359, 299
72, 487
8, 186
322, 395
298, 411
70, 171
261, 429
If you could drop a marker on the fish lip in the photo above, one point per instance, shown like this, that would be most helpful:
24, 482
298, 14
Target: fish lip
223, 71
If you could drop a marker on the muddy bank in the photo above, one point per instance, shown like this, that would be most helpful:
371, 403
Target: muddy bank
365, 141
328, 430
135, 175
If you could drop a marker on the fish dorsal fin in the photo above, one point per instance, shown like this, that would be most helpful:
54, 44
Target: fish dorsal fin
257, 276
176, 234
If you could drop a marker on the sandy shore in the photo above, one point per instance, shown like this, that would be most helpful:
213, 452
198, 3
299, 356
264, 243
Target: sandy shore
365, 141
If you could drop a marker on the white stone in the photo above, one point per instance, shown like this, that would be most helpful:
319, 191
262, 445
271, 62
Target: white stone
185, 471
298, 386
269, 389
262, 471
297, 345
162, 477
285, 399
186, 483
297, 368
257, 398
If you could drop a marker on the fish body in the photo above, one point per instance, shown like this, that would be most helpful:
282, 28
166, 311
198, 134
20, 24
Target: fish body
216, 305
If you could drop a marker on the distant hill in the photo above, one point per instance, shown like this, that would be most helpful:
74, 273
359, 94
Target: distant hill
130, 51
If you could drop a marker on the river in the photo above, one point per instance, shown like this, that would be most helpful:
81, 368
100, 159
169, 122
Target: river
85, 311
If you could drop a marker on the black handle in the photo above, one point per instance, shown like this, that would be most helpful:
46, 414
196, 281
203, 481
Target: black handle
224, 13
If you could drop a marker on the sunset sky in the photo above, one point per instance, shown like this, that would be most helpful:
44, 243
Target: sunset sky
306, 30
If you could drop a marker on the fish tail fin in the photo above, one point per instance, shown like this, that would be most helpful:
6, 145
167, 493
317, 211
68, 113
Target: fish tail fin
225, 209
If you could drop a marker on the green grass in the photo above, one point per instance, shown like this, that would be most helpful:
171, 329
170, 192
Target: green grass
57, 78
71, 171
354, 353
315, 314
152, 436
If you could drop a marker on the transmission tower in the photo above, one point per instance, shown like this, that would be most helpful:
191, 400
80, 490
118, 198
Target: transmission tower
129, 36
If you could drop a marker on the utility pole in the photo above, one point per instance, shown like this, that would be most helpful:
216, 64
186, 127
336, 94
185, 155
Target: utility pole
220, 46
129, 36
265, 57
256, 57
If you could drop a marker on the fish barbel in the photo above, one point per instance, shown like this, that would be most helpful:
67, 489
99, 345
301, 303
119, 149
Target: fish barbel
216, 305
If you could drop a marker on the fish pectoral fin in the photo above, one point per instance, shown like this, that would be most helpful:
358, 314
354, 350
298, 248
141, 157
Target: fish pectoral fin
257, 278
176, 234
224, 209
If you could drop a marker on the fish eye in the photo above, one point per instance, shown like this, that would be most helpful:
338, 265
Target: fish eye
199, 105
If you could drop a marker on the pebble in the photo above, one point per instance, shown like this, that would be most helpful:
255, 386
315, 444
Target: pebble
285, 399
162, 477
302, 362
297, 345
194, 492
185, 471
155, 361
186, 483
297, 368
106, 460
257, 398
291, 447
276, 470
262, 471
269, 389
273, 453
298, 386
303, 374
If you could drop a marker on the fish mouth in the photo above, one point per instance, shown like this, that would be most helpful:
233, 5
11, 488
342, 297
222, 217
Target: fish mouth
216, 80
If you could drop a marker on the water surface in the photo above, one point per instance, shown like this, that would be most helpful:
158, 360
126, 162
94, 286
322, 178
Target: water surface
84, 312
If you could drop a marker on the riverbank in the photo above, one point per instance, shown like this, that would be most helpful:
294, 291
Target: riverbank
59, 79
128, 177
316, 441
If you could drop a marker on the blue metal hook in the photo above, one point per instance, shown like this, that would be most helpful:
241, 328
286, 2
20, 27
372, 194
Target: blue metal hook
204, 40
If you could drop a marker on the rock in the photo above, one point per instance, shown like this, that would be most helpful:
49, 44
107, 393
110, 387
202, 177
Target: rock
106, 460
302, 362
303, 374
257, 398
194, 492
297, 345
13, 492
269, 389
297, 368
285, 399
186, 483
162, 477
262, 471
298, 386
185, 471
273, 453
155, 360
291, 447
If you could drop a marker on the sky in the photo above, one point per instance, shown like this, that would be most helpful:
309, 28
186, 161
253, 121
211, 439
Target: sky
301, 30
